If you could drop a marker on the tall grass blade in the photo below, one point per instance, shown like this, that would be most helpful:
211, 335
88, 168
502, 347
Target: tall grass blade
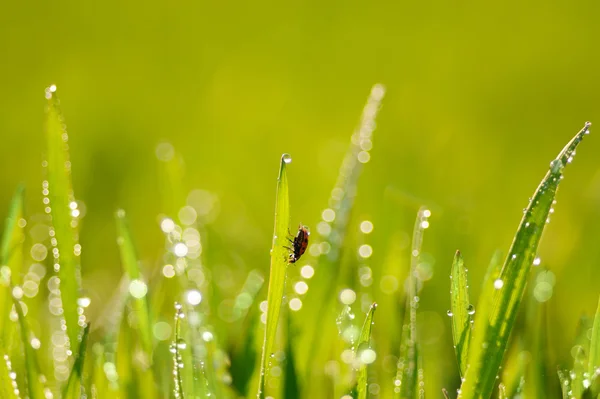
365, 354
75, 387
501, 300
137, 285
61, 207
461, 311
279, 263
342, 198
176, 347
408, 361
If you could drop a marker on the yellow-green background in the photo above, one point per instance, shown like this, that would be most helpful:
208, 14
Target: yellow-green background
481, 96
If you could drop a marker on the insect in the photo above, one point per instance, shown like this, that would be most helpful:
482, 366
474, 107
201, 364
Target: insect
299, 243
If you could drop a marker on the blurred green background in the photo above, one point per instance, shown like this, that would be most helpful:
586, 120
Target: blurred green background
480, 97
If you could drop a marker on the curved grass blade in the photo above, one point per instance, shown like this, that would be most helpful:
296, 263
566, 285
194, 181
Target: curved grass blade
364, 344
74, 387
501, 299
279, 263
460, 310
137, 285
61, 207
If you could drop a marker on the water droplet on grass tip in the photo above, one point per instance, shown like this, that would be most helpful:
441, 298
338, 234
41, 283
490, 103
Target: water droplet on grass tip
287, 158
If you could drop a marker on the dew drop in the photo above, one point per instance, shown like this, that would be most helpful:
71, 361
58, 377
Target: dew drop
471, 309
449, 313
287, 158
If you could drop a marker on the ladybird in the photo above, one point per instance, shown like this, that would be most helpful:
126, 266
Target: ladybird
299, 243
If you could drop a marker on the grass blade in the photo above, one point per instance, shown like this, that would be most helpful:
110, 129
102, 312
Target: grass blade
176, 348
460, 310
137, 286
365, 354
341, 202
408, 362
74, 386
279, 263
61, 208
501, 300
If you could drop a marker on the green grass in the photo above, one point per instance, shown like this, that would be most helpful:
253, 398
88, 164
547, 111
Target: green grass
287, 345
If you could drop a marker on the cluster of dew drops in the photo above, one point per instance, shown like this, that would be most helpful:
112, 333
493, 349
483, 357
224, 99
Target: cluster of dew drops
176, 346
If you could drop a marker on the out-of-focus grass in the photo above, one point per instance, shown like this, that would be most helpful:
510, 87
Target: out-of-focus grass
210, 348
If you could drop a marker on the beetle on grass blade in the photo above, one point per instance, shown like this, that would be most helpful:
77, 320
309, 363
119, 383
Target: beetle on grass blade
299, 243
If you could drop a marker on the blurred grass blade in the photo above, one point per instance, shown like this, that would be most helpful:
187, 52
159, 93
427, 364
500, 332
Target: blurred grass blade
461, 310
365, 354
279, 262
61, 207
176, 348
34, 385
8, 378
494, 268
594, 361
11, 256
319, 298
291, 385
99, 381
408, 361
137, 286
501, 300
73, 388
